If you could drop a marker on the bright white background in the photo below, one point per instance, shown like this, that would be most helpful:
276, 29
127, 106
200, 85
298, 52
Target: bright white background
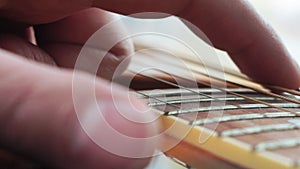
284, 17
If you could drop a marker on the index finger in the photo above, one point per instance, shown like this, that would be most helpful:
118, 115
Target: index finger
233, 26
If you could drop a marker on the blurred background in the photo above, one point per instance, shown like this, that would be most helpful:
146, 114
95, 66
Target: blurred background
284, 17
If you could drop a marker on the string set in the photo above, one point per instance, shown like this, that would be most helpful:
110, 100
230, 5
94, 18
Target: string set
285, 110
223, 90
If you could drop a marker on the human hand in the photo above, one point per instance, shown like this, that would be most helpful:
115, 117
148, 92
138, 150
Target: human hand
231, 26
38, 117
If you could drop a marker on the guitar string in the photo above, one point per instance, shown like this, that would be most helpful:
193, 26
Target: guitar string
270, 94
256, 147
278, 96
263, 145
255, 89
208, 85
245, 97
196, 100
197, 92
155, 98
177, 86
259, 129
179, 162
294, 92
231, 118
242, 85
248, 116
234, 83
231, 107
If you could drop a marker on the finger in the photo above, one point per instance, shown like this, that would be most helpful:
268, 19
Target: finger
232, 26
38, 118
22, 47
43, 11
64, 45
250, 42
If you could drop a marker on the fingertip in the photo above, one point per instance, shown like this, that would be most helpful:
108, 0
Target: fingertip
119, 128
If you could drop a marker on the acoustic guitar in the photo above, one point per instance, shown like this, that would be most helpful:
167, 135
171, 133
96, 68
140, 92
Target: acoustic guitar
217, 121
213, 117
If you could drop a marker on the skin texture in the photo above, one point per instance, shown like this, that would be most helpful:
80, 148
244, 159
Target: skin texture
30, 99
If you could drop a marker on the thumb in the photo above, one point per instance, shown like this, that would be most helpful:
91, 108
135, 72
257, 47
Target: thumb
38, 118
